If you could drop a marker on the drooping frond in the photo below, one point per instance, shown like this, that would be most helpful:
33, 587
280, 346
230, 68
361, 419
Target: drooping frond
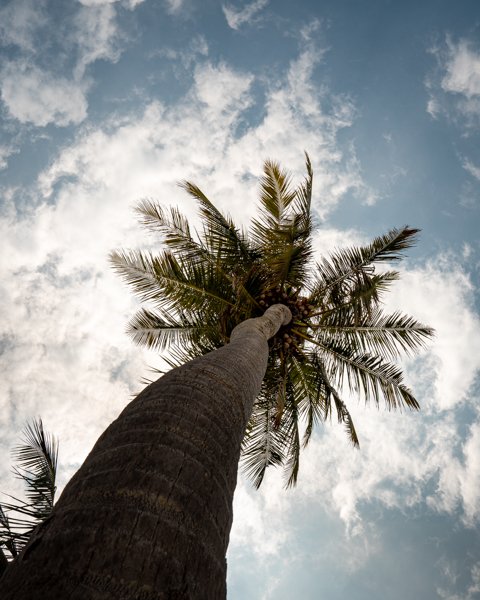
330, 392
37, 459
263, 445
367, 375
291, 435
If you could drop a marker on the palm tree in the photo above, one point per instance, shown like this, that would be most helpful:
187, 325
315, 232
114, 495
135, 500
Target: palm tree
262, 345
37, 467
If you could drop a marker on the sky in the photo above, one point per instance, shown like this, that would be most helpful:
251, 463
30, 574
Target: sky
105, 102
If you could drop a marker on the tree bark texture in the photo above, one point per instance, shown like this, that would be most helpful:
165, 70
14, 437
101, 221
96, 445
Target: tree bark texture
148, 515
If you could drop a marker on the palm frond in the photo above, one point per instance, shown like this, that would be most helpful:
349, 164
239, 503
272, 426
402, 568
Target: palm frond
275, 198
367, 375
360, 298
263, 445
37, 459
221, 234
159, 333
172, 227
168, 281
381, 334
284, 228
353, 264
291, 436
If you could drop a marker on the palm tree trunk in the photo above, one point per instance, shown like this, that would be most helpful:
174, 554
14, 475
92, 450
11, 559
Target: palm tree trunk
148, 515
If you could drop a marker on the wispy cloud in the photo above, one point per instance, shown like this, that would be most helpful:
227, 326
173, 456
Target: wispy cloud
457, 81
174, 6
237, 18
472, 169
37, 87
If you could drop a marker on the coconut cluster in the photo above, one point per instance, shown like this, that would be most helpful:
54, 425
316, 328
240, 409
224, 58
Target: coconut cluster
286, 339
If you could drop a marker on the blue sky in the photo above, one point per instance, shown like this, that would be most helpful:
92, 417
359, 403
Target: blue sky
105, 102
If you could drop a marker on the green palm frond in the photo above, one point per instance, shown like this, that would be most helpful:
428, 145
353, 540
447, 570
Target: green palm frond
200, 287
221, 234
366, 375
353, 265
275, 198
37, 459
160, 333
380, 334
283, 230
170, 281
291, 434
263, 445
172, 227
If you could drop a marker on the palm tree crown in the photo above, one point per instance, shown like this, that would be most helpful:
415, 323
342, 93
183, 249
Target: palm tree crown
200, 287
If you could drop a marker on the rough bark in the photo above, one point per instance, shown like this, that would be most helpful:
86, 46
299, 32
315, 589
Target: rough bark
148, 515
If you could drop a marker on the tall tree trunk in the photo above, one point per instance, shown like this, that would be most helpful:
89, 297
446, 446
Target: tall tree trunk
148, 515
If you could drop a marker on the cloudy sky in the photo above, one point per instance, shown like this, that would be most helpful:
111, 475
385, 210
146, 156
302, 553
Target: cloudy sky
104, 102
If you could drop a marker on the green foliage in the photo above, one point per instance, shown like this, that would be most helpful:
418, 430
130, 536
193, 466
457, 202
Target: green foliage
200, 287
37, 459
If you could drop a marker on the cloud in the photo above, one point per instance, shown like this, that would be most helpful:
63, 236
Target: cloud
237, 18
462, 70
33, 95
131, 3
39, 94
197, 46
174, 6
96, 36
20, 22
456, 88
472, 169
472, 591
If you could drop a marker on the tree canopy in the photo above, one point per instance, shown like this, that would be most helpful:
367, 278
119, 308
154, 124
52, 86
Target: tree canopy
199, 286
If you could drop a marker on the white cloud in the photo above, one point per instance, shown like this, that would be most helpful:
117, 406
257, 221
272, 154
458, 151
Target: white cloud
236, 18
221, 89
462, 70
472, 591
131, 3
20, 21
459, 82
96, 35
472, 169
36, 96
197, 46
173, 6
